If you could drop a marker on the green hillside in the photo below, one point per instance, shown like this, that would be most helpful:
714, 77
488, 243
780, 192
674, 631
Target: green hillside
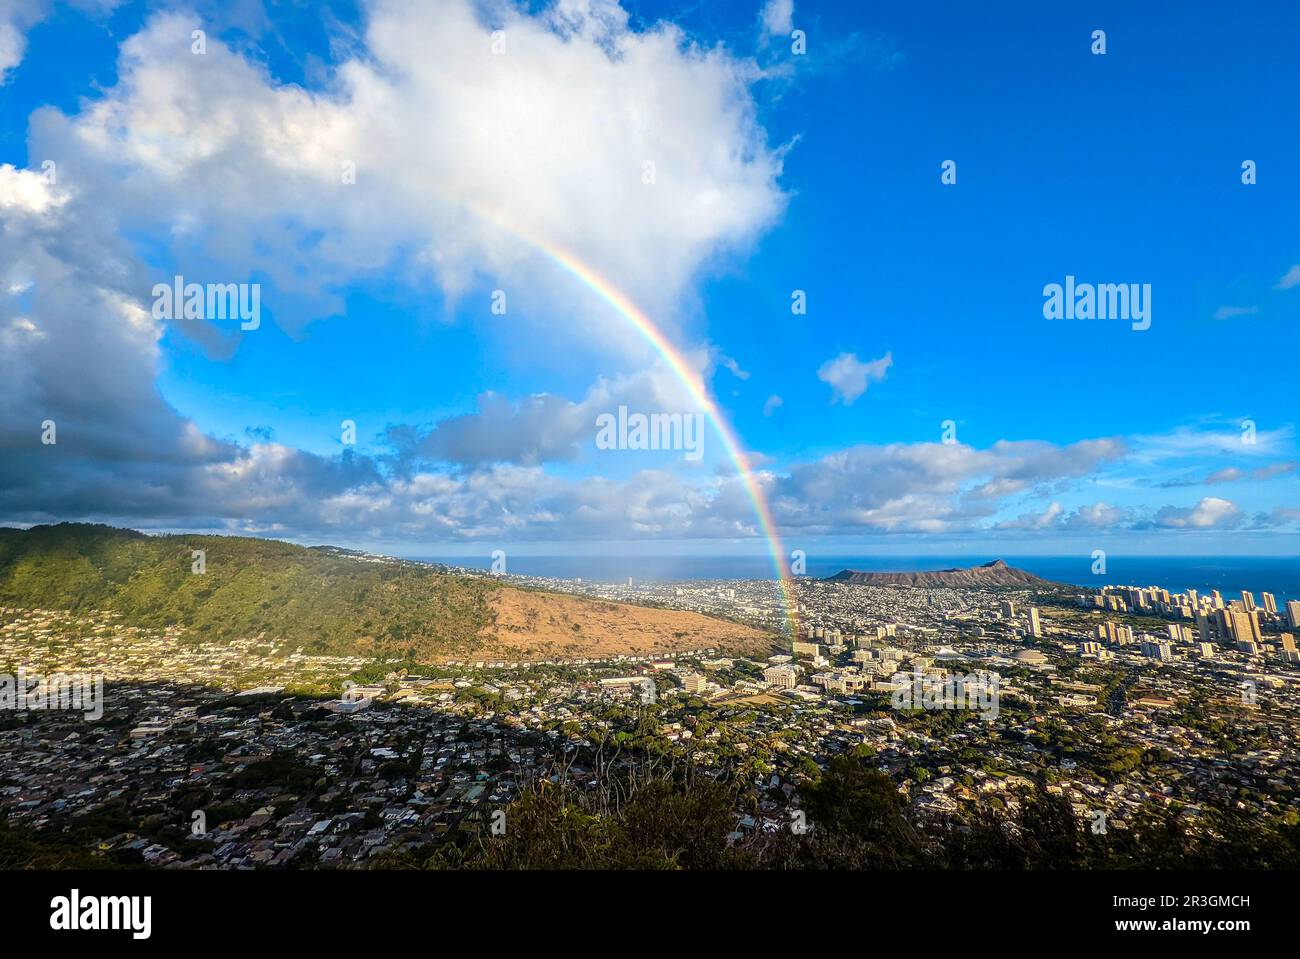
325, 602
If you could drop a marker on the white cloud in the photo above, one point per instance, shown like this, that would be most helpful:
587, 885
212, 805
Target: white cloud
897, 488
1229, 312
1231, 474
733, 367
26, 191
926, 486
467, 161
1290, 278
772, 404
1035, 521
1282, 516
777, 18
849, 377
1055, 517
1210, 513
540, 428
1096, 516
16, 18
1191, 443
12, 44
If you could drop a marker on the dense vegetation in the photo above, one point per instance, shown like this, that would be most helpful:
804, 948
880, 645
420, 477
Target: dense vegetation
24, 848
856, 819
321, 601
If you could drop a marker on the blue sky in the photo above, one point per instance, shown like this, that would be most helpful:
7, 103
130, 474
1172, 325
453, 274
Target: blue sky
774, 172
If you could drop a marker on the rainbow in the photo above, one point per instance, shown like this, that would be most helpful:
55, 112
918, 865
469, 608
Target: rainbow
694, 384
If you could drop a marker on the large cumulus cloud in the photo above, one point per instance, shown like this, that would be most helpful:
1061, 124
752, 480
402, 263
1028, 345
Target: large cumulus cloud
476, 136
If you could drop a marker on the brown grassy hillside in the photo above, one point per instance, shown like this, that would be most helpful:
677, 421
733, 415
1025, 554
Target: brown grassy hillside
533, 625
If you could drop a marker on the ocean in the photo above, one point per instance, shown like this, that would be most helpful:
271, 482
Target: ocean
1279, 575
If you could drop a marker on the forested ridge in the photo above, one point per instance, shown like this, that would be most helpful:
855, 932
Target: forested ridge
320, 600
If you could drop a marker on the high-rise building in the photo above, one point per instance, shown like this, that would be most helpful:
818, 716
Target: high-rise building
1244, 626
1293, 613
1247, 599
1270, 603
1161, 651
1008, 609
1035, 627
